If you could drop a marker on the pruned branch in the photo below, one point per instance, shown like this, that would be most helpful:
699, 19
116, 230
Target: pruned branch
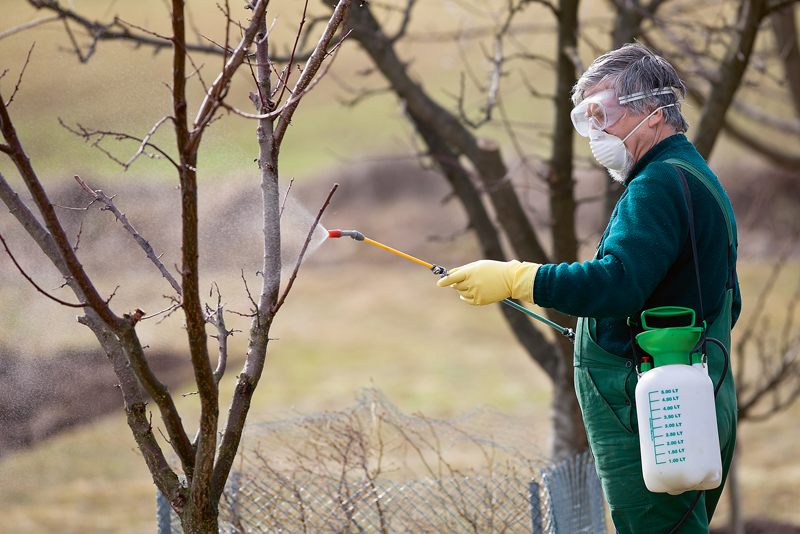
216, 317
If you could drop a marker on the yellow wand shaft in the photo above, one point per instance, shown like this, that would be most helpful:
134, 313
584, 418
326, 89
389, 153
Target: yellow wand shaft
403, 254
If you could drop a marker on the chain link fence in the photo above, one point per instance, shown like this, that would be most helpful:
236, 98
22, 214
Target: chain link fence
330, 473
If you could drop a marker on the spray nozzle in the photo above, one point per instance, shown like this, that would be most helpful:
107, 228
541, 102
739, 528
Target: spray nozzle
358, 236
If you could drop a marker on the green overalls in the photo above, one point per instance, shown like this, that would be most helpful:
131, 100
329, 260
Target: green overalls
605, 385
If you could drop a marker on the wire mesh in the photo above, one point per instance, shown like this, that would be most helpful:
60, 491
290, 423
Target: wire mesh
331, 472
568, 501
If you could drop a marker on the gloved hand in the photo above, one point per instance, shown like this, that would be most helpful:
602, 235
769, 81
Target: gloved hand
486, 281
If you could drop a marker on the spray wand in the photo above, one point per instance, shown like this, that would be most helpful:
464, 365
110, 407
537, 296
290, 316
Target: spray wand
442, 272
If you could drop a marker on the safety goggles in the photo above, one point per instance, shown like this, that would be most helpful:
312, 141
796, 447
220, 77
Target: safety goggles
604, 109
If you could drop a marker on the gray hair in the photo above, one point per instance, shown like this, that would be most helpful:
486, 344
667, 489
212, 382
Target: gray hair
634, 68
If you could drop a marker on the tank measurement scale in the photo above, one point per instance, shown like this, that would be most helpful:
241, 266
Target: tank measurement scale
666, 426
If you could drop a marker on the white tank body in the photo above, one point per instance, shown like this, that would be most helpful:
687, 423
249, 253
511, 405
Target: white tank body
678, 434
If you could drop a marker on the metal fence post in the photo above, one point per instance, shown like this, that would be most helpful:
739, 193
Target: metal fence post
535, 507
163, 512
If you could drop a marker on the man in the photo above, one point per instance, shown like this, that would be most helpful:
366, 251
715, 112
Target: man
628, 105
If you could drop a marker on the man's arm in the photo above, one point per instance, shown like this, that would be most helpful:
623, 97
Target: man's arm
643, 241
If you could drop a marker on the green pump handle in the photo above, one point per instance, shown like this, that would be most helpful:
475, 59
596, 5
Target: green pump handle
667, 311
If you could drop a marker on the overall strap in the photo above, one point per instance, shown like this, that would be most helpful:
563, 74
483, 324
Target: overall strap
693, 239
694, 171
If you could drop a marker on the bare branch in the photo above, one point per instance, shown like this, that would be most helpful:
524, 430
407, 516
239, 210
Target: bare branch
288, 107
308, 79
286, 197
731, 70
100, 196
34, 284
83, 58
786, 370
52, 222
783, 124
768, 150
294, 50
404, 25
146, 141
113, 31
360, 93
215, 93
97, 136
19, 80
28, 25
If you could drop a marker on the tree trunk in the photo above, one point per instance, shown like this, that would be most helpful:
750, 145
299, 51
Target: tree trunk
785, 28
736, 521
568, 431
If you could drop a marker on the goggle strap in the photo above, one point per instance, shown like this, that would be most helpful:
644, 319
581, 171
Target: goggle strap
644, 94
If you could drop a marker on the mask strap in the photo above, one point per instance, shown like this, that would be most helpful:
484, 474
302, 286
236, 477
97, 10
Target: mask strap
644, 119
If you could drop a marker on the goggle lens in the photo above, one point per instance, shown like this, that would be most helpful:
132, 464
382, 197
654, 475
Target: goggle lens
597, 112
604, 109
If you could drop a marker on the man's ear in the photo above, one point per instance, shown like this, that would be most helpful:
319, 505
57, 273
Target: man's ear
657, 117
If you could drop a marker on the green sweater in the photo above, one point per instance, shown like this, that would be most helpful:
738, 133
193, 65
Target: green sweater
644, 259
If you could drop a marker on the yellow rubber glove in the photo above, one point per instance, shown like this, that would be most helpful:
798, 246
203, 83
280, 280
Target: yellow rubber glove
486, 281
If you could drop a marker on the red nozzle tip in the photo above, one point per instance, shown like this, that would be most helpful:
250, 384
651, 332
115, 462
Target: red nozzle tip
334, 233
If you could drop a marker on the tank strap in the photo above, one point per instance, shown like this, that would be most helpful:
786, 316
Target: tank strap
634, 323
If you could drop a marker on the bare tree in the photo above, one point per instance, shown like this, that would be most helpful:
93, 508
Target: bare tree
204, 460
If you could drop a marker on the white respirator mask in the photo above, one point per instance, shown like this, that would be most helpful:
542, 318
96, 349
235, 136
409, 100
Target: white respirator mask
592, 116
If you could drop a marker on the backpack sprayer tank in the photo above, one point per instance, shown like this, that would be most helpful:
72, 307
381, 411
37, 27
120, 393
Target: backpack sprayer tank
678, 435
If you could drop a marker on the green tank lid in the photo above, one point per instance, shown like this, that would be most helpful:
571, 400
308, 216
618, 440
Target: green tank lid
672, 344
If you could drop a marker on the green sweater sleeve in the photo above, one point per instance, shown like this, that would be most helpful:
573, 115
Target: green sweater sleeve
645, 235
